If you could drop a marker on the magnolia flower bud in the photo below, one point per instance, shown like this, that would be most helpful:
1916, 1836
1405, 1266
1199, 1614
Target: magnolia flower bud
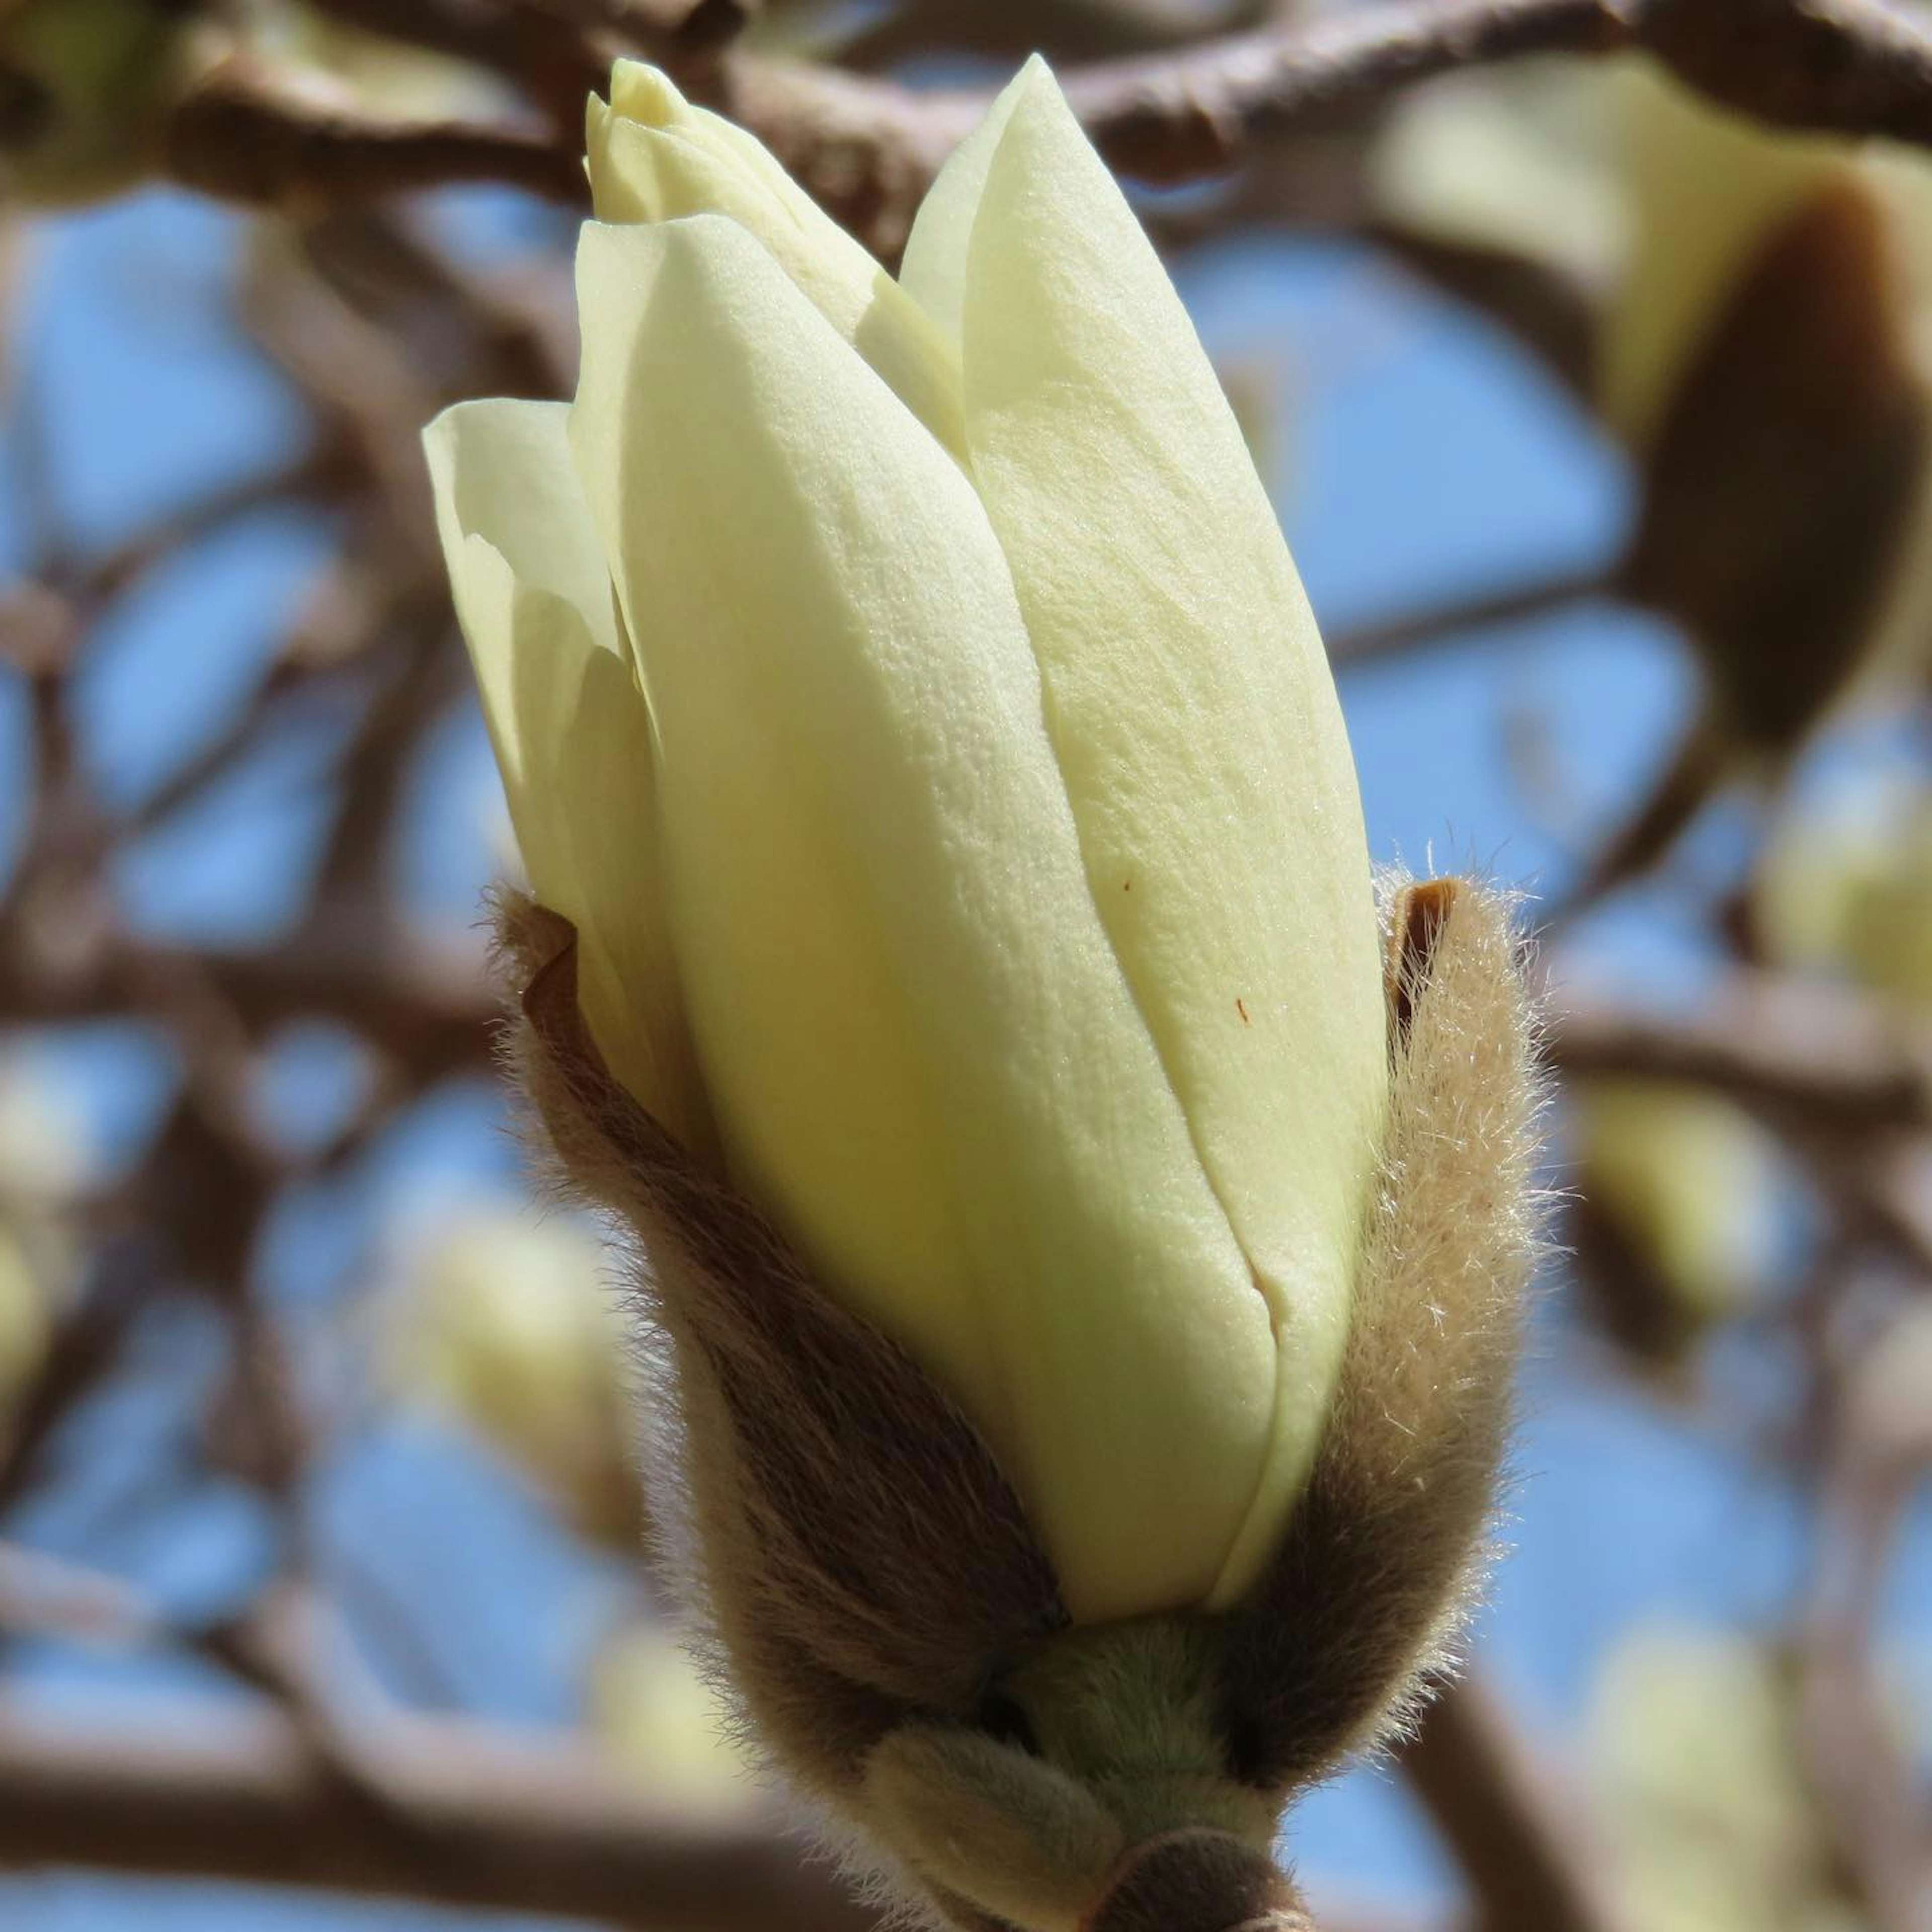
1845, 888
1764, 349
1087, 1234
505, 1325
1674, 1223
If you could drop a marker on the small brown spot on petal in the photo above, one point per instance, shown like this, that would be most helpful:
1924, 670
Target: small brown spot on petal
1241, 1007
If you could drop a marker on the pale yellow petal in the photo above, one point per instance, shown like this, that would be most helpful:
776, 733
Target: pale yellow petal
571, 734
933, 270
1196, 727
653, 157
924, 1059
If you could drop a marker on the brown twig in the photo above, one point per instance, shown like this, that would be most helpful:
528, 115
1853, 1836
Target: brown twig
1877, 1448
238, 137
1515, 1831
1788, 1051
1845, 66
868, 147
1172, 116
1376, 641
472, 1816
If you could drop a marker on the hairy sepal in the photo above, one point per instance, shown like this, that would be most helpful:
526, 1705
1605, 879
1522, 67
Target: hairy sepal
1381, 1562
852, 1545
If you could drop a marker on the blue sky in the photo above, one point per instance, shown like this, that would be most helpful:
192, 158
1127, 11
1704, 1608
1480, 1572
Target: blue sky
1413, 454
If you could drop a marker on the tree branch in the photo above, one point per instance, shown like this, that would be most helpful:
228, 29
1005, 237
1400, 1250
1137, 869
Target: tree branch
469, 1816
867, 149
1378, 640
239, 138
1172, 116
1511, 1829
1842, 67
1828, 1062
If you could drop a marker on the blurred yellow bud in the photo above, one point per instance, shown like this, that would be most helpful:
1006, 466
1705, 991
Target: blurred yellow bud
1706, 1807
85, 87
1846, 890
26, 1320
317, 51
506, 1325
648, 1706
1677, 1192
980, 852
1088, 1230
44, 1160
1763, 347
46, 1156
1654, 201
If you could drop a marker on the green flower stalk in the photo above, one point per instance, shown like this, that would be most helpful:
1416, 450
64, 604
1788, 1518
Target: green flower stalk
1088, 1229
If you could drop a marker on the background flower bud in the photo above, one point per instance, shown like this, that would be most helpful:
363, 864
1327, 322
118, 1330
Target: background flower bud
1675, 1219
507, 1325
1759, 304
1845, 890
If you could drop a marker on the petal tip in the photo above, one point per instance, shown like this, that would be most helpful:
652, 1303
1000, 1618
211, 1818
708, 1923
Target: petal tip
645, 94
1037, 82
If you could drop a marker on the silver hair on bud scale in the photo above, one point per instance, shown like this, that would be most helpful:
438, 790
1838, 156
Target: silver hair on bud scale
891, 1628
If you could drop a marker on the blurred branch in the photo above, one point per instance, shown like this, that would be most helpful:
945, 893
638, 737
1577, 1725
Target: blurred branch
429, 1011
469, 1815
313, 472
1884, 1188
239, 137
868, 147
1549, 312
554, 52
87, 1346
1440, 623
1783, 1048
426, 673
1514, 1830
1170, 116
1069, 29
1846, 67
42, 1595
1859, 1770
530, 47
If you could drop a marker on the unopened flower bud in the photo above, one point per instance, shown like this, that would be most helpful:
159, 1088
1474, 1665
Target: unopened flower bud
1762, 303
1089, 1230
